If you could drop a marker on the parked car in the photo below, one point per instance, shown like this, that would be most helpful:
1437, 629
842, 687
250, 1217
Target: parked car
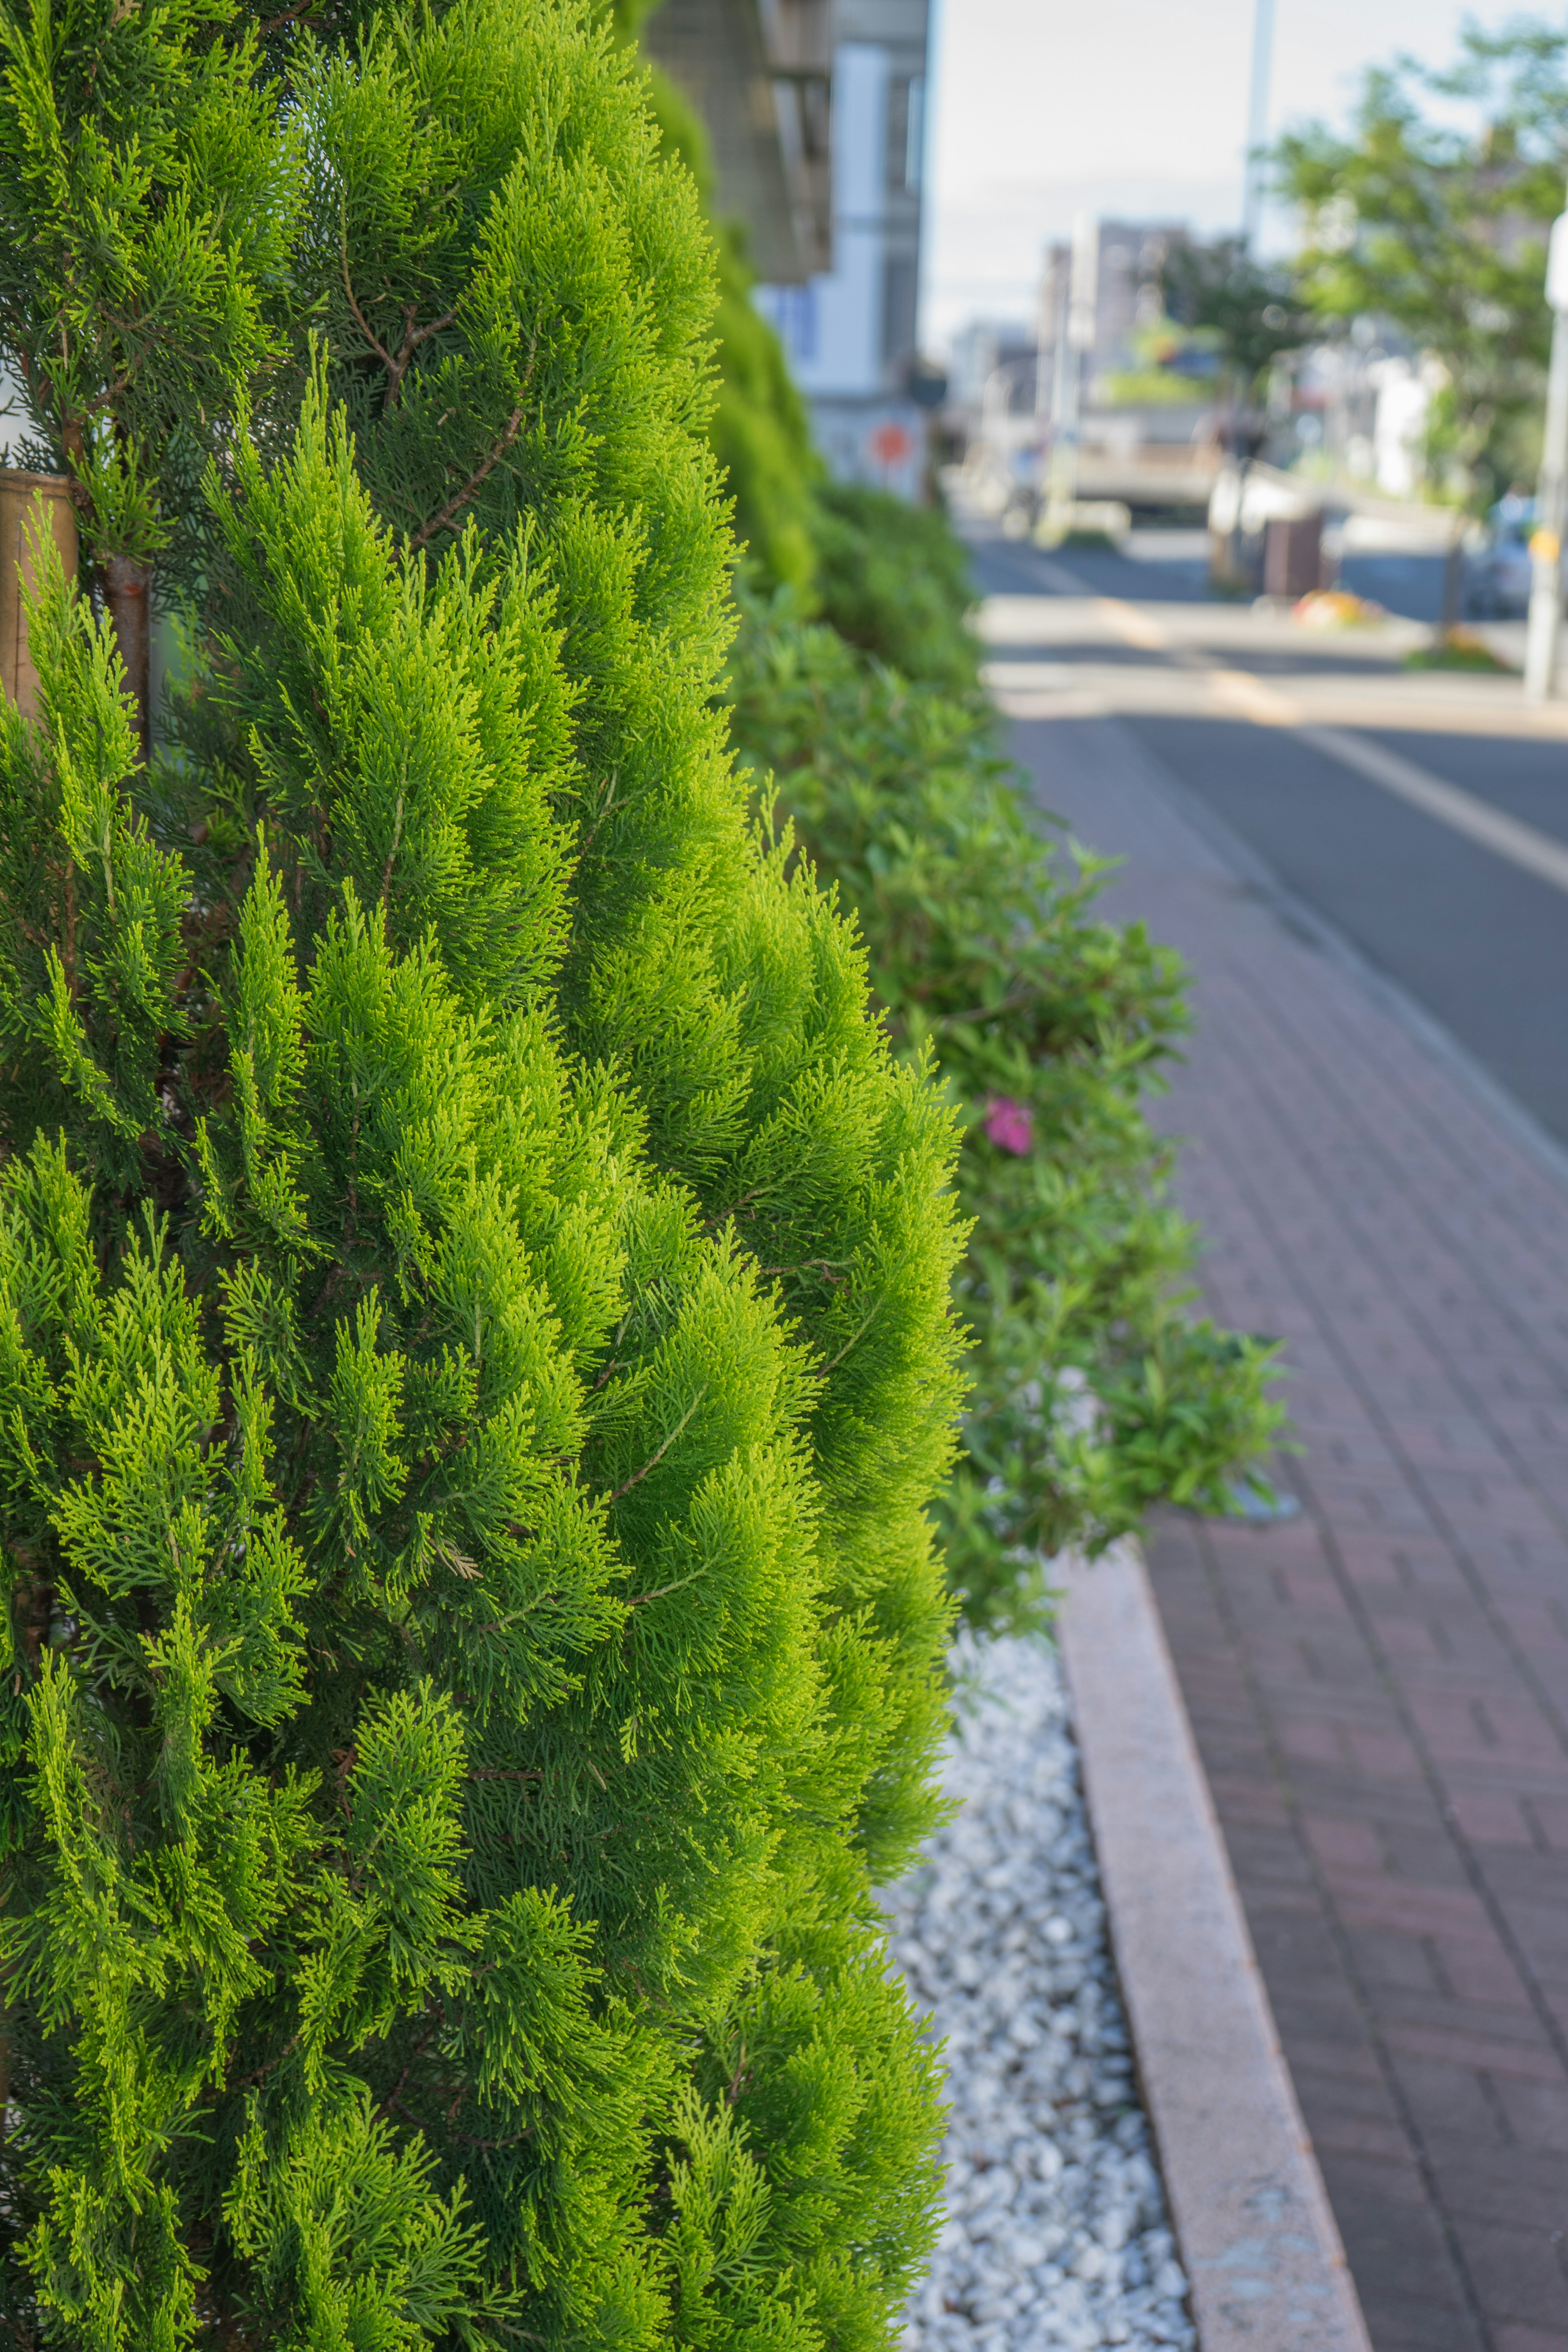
1498, 577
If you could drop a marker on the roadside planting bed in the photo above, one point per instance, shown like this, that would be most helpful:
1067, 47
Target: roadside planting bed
1056, 2232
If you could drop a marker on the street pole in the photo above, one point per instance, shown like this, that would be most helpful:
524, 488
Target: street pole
1257, 119
1083, 295
1544, 629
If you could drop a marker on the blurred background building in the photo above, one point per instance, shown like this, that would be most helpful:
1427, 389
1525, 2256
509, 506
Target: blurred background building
760, 73
850, 331
816, 113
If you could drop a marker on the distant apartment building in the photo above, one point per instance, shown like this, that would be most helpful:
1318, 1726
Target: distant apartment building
816, 114
759, 72
1125, 261
849, 330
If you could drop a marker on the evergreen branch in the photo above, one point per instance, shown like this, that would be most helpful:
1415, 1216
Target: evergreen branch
374, 339
823, 1265
613, 1366
412, 338
735, 1207
460, 2140
305, 9
638, 1599
654, 1459
391, 854
855, 1337
476, 481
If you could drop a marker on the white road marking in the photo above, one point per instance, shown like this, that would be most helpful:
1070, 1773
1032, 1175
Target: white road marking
1250, 697
1506, 836
1133, 627
1261, 703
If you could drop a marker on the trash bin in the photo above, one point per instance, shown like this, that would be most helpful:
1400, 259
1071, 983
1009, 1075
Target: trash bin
1292, 556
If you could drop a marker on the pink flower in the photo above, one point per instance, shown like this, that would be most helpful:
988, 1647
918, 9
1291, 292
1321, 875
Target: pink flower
1010, 1124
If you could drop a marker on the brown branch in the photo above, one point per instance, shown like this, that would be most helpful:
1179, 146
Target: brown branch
480, 475
735, 1207
377, 346
654, 1459
412, 338
855, 1337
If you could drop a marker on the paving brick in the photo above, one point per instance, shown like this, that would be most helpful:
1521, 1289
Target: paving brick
1379, 1689
1510, 2185
1516, 2272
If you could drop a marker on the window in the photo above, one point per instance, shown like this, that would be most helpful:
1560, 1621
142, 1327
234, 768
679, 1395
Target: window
898, 299
906, 130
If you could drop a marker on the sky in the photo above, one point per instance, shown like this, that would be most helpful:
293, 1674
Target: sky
1135, 109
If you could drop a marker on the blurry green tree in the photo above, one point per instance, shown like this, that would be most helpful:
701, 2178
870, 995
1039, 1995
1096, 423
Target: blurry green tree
1439, 226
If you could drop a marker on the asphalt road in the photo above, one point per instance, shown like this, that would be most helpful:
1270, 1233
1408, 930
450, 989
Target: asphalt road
1474, 936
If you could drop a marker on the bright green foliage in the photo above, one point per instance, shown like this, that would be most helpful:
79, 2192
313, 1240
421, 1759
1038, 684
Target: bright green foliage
1095, 1393
567, 299
475, 1351
90, 915
145, 203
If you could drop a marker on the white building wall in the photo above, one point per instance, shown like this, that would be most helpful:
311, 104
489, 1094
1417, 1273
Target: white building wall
839, 330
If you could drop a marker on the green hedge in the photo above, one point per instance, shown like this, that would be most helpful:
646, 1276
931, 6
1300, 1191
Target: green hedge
1096, 1393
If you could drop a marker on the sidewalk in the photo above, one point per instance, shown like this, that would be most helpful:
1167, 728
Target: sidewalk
1380, 1688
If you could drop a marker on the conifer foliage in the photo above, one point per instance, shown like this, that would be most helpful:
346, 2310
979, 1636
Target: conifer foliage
146, 207
474, 1346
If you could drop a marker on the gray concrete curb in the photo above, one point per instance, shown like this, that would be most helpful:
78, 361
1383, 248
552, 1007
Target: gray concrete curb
1258, 2238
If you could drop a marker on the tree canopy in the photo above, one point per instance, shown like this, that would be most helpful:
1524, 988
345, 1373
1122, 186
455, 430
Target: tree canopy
1432, 213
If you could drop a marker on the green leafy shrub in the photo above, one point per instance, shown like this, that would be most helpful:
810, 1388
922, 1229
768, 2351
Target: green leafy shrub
475, 1350
894, 579
1095, 1393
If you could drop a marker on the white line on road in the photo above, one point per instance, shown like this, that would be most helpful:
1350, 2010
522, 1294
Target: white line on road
1506, 836
1133, 627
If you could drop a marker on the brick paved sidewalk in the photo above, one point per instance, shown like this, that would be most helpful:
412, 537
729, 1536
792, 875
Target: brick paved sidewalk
1380, 1688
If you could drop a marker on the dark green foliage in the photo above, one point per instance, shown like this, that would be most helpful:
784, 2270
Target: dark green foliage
1095, 1393
1250, 310
145, 202
475, 1350
894, 581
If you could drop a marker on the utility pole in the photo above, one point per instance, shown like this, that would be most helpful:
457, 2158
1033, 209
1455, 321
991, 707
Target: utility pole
1082, 306
1257, 119
1544, 629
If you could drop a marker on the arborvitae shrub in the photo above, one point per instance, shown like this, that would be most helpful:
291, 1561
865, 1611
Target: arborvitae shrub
517, 293
474, 1349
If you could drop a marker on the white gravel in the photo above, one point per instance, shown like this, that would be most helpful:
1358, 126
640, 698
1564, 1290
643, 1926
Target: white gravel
1056, 2232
